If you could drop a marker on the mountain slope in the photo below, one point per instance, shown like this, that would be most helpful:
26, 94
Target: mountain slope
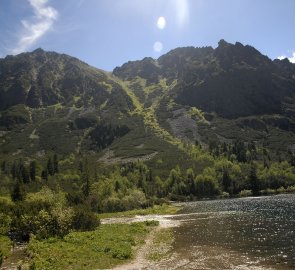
52, 102
40, 79
232, 80
231, 86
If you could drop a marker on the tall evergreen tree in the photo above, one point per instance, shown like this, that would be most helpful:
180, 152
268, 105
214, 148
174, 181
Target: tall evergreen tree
25, 175
55, 164
50, 167
226, 181
14, 170
253, 179
44, 175
33, 170
86, 180
18, 192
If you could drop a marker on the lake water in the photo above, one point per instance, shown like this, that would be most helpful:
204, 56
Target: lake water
245, 233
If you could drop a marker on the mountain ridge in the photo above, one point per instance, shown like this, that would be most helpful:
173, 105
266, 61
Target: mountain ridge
190, 94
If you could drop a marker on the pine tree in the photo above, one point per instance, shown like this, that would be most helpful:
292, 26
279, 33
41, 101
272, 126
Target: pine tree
33, 170
86, 180
50, 168
25, 174
14, 170
226, 181
253, 179
44, 175
55, 164
17, 192
86, 186
3, 166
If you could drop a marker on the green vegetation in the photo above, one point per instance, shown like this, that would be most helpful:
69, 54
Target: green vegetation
5, 247
164, 209
161, 245
101, 249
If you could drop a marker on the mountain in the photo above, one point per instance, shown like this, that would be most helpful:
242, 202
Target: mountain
41, 79
145, 109
232, 80
239, 92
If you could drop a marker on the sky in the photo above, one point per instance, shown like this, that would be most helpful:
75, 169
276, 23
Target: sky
108, 33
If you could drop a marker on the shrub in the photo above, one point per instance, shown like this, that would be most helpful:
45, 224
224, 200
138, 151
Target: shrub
84, 219
291, 189
281, 190
268, 191
5, 221
151, 223
224, 195
121, 252
245, 193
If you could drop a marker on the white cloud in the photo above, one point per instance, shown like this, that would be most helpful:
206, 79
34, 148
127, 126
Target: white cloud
291, 59
34, 29
281, 57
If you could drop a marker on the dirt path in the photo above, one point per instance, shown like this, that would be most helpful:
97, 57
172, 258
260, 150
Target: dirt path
140, 261
17, 257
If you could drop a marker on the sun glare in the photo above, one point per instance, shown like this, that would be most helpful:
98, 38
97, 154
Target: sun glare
161, 22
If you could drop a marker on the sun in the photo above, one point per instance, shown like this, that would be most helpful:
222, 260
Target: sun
161, 22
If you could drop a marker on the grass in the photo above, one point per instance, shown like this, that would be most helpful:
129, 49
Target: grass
163, 209
106, 247
5, 245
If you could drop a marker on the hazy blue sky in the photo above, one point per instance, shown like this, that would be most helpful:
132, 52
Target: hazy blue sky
107, 33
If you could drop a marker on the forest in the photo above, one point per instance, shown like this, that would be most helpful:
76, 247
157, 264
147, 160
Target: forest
51, 198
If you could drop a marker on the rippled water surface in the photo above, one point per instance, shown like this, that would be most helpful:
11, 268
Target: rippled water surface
247, 233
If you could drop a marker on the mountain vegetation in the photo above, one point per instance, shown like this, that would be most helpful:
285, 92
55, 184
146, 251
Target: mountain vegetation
195, 123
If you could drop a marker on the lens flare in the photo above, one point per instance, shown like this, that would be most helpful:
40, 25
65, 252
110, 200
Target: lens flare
158, 46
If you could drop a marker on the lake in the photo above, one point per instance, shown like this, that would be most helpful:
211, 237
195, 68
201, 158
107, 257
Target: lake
244, 233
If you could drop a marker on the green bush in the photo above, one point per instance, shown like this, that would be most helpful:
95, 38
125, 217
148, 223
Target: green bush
281, 190
268, 191
121, 252
224, 195
151, 223
245, 193
84, 219
5, 221
291, 189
